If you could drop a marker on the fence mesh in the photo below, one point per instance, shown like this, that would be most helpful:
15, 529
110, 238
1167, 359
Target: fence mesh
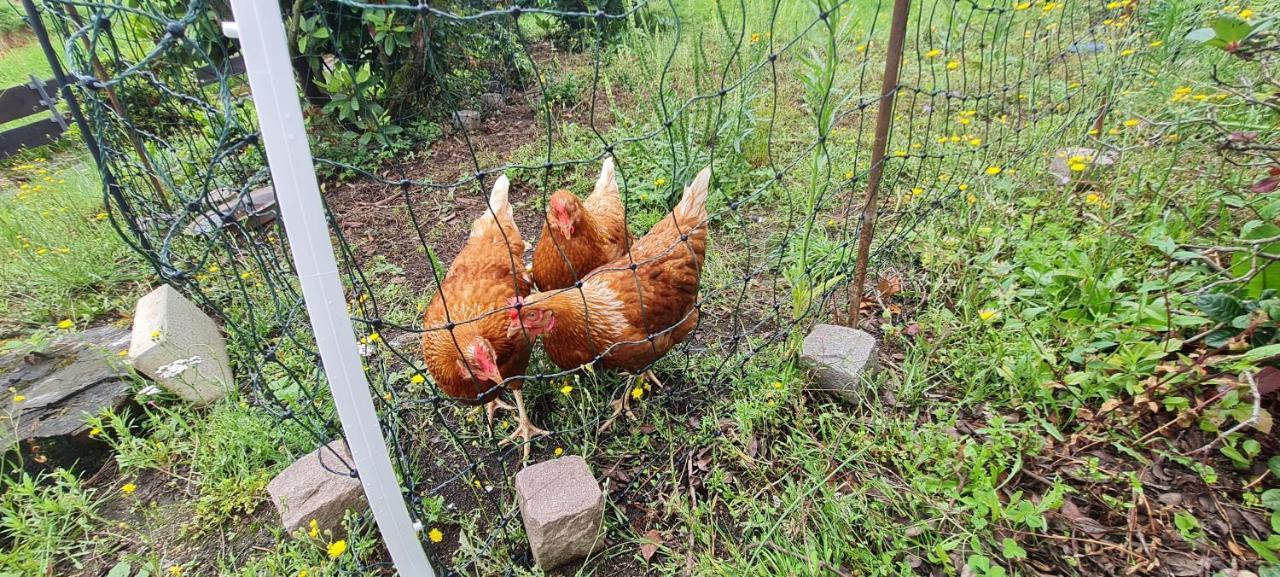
415, 110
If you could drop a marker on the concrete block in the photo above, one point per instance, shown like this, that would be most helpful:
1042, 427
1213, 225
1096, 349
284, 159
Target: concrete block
563, 510
179, 347
840, 357
317, 486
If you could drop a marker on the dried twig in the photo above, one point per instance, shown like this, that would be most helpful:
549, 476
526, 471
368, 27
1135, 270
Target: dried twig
1253, 417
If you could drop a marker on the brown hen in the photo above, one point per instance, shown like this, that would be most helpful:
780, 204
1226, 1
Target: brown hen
626, 316
466, 345
580, 236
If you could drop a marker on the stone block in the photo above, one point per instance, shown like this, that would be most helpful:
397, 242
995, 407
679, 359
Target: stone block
61, 385
840, 357
468, 120
563, 510
493, 102
317, 486
179, 347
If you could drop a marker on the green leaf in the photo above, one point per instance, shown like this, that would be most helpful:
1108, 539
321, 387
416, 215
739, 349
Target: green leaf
1257, 354
1220, 307
1012, 550
1263, 549
1271, 498
121, 569
1274, 464
1269, 571
1231, 29
1201, 35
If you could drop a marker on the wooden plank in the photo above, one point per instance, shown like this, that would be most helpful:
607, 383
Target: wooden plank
23, 101
31, 135
207, 75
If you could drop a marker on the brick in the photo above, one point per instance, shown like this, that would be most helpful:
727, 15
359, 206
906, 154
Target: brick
179, 347
840, 358
563, 510
317, 486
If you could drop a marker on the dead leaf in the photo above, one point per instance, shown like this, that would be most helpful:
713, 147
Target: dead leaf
890, 284
1263, 424
652, 540
1268, 380
753, 447
913, 329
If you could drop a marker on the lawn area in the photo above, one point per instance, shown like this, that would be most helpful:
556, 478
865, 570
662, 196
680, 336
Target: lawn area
1073, 288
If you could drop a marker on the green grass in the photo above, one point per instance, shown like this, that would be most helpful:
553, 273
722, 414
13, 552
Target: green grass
1045, 347
21, 62
61, 258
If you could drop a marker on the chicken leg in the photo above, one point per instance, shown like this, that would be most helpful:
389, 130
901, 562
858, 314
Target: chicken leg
491, 408
525, 429
619, 405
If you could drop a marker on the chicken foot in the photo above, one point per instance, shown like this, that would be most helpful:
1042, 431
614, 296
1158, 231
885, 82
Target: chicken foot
491, 408
525, 429
620, 405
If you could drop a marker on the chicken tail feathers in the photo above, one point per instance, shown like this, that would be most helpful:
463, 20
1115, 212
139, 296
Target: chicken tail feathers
607, 183
499, 202
693, 205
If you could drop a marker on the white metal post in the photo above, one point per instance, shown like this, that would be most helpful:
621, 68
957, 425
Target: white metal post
260, 27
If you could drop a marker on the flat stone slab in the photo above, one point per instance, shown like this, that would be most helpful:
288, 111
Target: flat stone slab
76, 376
318, 486
840, 357
179, 347
253, 211
562, 506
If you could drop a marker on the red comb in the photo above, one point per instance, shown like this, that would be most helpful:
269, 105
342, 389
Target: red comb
514, 303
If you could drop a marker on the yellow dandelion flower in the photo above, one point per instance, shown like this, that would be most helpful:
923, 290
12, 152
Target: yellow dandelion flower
246, 275
994, 170
1246, 14
18, 398
975, 142
155, 335
777, 384
303, 573
213, 268
1021, 6
962, 187
128, 488
337, 548
988, 315
314, 529
860, 48
122, 354
559, 451
436, 535
971, 199
953, 65
661, 182
1078, 166
637, 392
417, 379
1156, 43
1130, 123
942, 140
848, 175
1048, 7
101, 216
755, 38
565, 390
1093, 198
917, 191
65, 324
936, 52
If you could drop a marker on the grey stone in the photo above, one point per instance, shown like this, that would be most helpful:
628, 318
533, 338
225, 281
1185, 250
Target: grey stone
318, 486
179, 347
468, 120
840, 357
74, 377
563, 510
1097, 164
493, 102
229, 207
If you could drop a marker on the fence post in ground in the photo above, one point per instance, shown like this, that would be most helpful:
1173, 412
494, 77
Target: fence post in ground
884, 119
260, 28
